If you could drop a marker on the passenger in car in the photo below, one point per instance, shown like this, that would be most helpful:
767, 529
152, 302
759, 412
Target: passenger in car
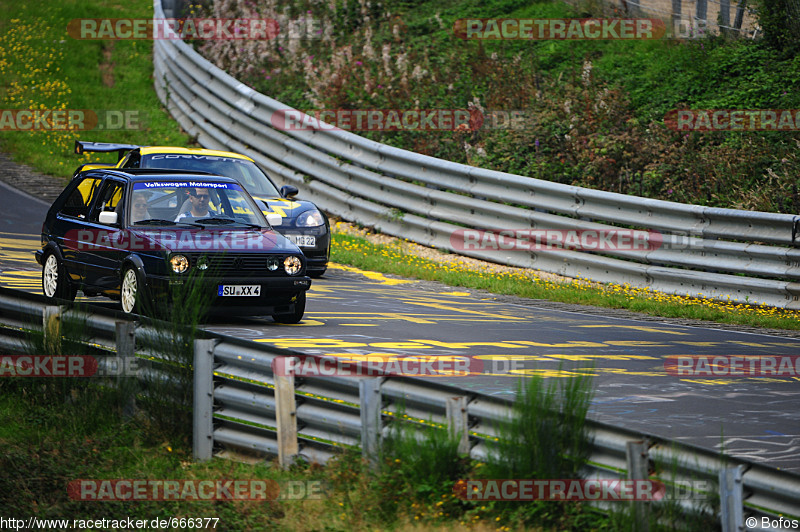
139, 210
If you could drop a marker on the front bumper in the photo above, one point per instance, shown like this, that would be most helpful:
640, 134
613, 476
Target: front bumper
316, 257
317, 263
277, 295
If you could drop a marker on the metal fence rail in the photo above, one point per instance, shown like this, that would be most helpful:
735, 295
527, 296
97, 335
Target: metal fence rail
241, 404
720, 253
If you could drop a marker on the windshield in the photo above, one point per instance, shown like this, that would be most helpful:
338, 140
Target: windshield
201, 203
245, 172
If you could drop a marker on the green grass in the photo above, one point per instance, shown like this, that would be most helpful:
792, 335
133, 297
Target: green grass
76, 431
48, 445
395, 259
42, 67
51, 440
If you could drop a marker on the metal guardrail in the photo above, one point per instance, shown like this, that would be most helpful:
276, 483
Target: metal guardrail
239, 403
742, 256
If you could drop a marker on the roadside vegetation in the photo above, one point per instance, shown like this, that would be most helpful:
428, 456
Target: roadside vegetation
42, 67
594, 110
56, 431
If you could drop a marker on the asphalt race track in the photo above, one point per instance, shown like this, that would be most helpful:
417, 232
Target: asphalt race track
366, 316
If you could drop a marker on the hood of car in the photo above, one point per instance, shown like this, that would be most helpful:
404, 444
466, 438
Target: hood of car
210, 240
288, 210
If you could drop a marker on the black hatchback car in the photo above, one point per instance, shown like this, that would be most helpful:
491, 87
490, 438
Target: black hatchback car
298, 220
134, 235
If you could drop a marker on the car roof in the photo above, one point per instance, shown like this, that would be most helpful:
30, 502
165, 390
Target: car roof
153, 150
156, 174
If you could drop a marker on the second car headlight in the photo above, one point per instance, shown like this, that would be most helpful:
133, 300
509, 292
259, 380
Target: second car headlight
312, 218
179, 263
292, 265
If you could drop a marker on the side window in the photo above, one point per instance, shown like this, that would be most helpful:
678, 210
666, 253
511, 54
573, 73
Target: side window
132, 160
110, 200
78, 202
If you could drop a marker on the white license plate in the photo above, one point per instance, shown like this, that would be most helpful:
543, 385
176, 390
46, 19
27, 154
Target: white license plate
303, 241
239, 290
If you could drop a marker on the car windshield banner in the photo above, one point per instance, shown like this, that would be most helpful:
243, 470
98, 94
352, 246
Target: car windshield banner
150, 185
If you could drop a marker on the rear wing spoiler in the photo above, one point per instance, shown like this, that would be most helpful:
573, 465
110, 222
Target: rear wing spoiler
82, 147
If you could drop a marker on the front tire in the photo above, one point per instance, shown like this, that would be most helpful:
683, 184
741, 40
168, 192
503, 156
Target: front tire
297, 315
55, 283
130, 292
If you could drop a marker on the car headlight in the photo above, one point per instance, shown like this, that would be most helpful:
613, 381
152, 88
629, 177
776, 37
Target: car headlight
179, 263
312, 218
273, 263
292, 265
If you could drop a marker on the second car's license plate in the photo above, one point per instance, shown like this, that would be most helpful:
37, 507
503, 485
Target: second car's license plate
304, 241
239, 290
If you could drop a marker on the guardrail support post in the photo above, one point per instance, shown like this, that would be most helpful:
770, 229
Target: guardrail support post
203, 415
637, 465
457, 422
286, 416
51, 328
369, 392
126, 345
731, 499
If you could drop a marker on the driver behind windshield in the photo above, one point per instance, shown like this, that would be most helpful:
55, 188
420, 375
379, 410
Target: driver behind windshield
199, 201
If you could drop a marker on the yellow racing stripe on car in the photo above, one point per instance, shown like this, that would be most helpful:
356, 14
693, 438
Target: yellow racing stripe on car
279, 209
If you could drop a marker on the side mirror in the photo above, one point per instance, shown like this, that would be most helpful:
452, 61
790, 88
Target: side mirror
108, 218
288, 191
274, 219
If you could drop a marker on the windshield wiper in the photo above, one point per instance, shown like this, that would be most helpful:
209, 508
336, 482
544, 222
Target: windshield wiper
160, 221
154, 221
216, 220
221, 221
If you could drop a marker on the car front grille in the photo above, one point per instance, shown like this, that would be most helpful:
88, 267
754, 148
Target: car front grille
237, 264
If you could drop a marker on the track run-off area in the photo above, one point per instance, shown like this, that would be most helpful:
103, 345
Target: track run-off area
366, 316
